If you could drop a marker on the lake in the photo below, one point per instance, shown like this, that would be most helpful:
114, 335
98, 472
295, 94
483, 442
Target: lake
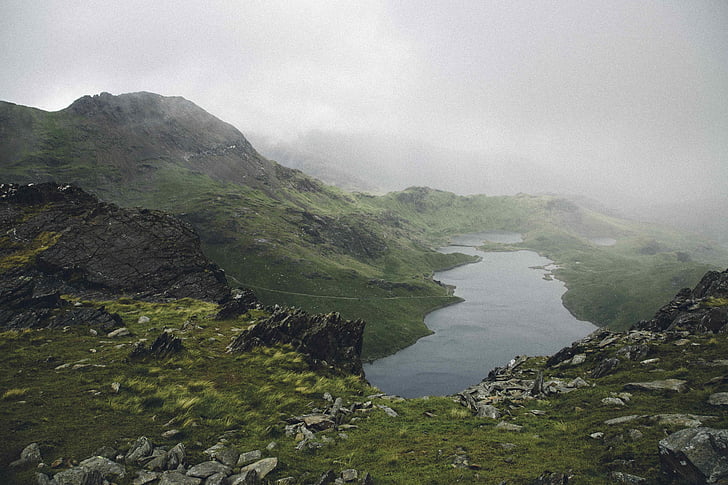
510, 308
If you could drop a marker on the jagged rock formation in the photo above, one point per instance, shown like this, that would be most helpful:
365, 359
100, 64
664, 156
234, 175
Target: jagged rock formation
696, 455
702, 309
328, 340
58, 240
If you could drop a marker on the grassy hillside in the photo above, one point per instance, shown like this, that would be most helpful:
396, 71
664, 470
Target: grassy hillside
206, 393
296, 241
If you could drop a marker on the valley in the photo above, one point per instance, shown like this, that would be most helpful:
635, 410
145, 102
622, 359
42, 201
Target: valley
298, 242
175, 308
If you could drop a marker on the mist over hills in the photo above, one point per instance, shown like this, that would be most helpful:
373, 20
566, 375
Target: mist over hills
378, 164
297, 241
594, 410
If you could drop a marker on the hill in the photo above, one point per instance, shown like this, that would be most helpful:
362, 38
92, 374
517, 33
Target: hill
215, 387
296, 241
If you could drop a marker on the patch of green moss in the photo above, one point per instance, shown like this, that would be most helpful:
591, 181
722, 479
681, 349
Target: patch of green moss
24, 254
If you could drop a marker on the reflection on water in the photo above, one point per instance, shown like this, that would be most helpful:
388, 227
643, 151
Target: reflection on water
509, 309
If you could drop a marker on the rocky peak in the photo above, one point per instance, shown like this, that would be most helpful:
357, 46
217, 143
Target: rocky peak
328, 340
58, 239
701, 309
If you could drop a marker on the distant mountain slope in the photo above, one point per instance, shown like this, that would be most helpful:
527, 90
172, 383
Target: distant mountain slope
296, 241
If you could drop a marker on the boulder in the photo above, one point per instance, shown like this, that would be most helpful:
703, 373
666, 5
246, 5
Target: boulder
30, 455
605, 367
107, 468
78, 476
208, 468
177, 478
698, 456
262, 467
241, 300
249, 457
675, 385
326, 339
691, 309
487, 411
718, 399
141, 448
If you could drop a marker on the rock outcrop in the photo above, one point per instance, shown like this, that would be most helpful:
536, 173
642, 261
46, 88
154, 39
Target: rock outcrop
697, 455
328, 340
59, 240
702, 309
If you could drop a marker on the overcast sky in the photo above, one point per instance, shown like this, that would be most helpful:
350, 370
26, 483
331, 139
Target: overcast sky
618, 97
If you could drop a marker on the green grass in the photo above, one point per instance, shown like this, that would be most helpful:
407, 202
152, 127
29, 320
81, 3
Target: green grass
205, 392
265, 238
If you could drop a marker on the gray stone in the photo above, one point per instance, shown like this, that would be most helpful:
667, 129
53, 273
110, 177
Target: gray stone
389, 411
216, 479
143, 477
171, 433
29, 455
367, 479
634, 434
262, 467
226, 456
612, 401
106, 467
605, 367
327, 478
487, 411
675, 385
78, 476
119, 332
159, 463
249, 457
349, 475
681, 420
623, 419
176, 456
621, 477
718, 399
42, 479
141, 448
207, 468
318, 422
578, 359
247, 477
577, 383
177, 478
508, 426
698, 455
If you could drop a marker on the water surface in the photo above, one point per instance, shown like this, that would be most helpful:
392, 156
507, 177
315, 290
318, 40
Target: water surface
509, 309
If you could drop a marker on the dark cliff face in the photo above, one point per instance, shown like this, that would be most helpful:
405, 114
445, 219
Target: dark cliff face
702, 309
61, 240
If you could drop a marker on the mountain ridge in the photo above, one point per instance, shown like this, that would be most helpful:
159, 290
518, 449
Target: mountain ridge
286, 234
641, 406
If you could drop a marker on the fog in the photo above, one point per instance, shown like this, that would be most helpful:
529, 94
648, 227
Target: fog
623, 101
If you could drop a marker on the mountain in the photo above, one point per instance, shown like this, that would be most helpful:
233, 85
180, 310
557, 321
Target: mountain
294, 240
214, 387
